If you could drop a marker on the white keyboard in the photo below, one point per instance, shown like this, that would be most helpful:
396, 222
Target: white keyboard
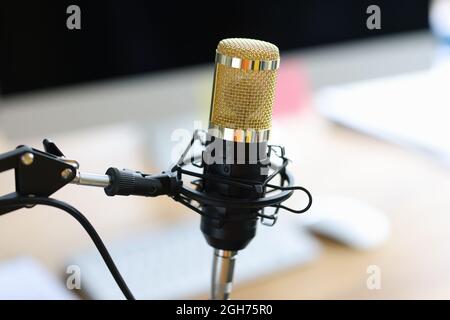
175, 263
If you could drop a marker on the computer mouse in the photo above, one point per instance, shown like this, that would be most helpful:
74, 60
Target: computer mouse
349, 221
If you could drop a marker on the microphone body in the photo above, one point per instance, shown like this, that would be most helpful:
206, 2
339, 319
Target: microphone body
239, 126
231, 228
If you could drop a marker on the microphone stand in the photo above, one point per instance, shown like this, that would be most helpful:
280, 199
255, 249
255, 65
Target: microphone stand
222, 274
39, 174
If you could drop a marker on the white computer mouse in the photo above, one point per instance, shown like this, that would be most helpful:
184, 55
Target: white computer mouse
349, 221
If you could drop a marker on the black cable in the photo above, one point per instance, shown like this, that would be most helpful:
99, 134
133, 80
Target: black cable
308, 194
11, 202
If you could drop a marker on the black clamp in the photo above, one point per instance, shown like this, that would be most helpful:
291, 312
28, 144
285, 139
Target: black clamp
37, 173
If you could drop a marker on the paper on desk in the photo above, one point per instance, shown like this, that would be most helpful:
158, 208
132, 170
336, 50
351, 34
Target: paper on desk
411, 109
25, 279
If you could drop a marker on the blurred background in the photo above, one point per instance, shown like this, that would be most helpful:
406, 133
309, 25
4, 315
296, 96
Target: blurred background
363, 114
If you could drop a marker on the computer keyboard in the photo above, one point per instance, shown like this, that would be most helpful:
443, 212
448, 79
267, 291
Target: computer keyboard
175, 263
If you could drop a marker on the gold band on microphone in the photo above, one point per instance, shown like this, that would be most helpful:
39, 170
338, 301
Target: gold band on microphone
245, 64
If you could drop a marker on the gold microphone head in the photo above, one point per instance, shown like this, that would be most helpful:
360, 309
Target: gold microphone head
244, 89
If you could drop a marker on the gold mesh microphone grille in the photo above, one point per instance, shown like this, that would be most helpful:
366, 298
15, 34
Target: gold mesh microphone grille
244, 88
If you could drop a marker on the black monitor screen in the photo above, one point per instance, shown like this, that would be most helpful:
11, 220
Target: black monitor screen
119, 38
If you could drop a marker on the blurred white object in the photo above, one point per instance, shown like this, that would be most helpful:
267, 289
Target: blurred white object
167, 138
25, 279
176, 263
349, 221
440, 25
440, 18
410, 109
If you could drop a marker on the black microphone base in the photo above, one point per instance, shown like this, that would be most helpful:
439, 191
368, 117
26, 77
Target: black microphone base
231, 235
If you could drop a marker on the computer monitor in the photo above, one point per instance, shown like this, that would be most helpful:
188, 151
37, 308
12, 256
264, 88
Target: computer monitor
120, 38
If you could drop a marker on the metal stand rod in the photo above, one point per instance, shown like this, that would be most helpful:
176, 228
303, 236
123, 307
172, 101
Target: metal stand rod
222, 274
91, 179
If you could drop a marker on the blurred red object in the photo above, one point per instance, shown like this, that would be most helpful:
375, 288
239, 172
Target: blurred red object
293, 90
